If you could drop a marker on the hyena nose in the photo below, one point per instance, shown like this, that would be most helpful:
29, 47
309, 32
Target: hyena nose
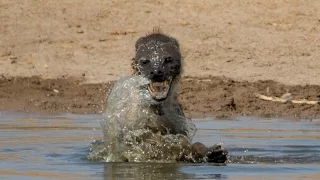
157, 75
157, 72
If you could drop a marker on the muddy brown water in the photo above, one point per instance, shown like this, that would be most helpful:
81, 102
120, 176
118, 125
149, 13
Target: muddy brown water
54, 147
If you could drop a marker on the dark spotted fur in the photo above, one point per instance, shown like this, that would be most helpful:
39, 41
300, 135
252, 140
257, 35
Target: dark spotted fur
158, 58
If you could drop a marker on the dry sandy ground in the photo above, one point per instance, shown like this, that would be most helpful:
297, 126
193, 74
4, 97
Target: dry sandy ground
76, 42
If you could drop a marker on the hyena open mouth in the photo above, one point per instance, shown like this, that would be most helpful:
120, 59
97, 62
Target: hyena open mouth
159, 90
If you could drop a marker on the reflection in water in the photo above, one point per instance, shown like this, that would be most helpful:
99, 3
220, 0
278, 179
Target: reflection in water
137, 171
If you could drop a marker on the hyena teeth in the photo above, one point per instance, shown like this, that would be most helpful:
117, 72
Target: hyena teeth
151, 87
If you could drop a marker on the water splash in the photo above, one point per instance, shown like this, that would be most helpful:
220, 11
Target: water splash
135, 132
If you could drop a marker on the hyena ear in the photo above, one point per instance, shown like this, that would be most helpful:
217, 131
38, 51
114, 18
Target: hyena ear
139, 42
175, 42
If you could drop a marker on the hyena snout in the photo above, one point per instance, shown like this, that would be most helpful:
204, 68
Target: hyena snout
157, 75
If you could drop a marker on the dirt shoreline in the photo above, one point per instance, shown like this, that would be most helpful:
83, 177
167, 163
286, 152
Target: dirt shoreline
218, 97
253, 42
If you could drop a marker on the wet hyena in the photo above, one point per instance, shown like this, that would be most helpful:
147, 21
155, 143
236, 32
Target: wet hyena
159, 59
148, 100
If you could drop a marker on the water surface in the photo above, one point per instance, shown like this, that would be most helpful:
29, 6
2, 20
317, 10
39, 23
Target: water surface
55, 147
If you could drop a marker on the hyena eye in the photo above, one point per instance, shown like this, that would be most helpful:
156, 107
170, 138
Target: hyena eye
168, 59
144, 61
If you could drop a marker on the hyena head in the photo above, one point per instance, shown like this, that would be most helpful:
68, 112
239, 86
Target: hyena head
158, 58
